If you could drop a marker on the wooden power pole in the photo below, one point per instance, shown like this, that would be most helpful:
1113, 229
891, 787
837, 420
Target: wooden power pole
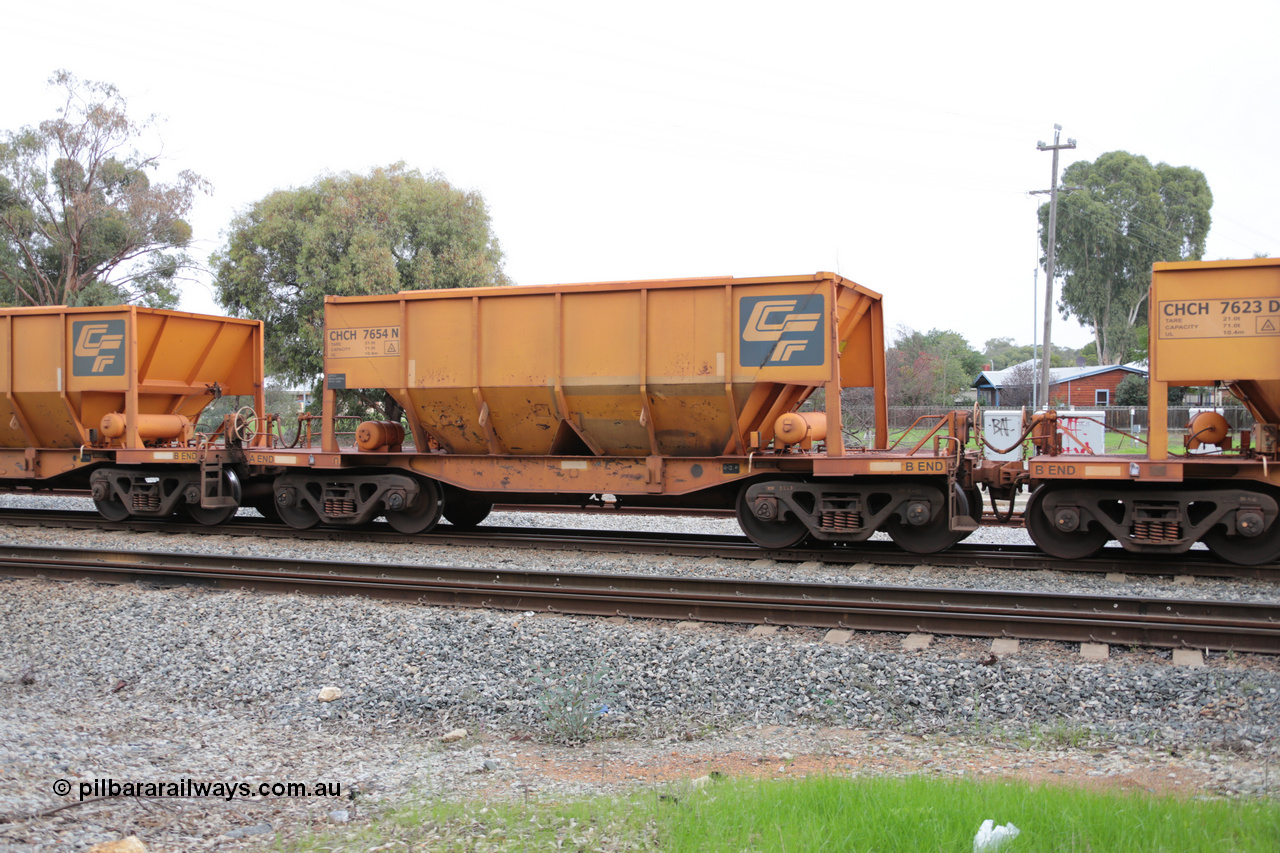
1046, 350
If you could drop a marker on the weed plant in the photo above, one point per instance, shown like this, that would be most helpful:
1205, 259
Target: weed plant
572, 704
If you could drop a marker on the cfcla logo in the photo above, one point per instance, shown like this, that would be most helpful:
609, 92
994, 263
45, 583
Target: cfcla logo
763, 325
781, 330
99, 349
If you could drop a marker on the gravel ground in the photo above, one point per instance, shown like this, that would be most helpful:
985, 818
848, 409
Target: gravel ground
133, 684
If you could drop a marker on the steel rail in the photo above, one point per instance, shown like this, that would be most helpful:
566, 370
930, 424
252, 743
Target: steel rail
1125, 620
994, 556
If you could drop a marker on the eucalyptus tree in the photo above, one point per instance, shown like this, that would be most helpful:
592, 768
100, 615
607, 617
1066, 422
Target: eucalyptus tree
1125, 215
81, 220
346, 235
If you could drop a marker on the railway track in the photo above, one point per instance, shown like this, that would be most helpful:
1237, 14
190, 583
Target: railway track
998, 556
1126, 620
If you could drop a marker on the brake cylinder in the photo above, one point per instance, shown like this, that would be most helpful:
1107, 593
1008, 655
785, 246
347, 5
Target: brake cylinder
150, 427
1206, 428
374, 435
795, 427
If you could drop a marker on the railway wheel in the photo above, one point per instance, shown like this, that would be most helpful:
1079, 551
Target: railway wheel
210, 516
1054, 540
422, 515
106, 501
294, 510
111, 509
974, 497
1245, 550
929, 538
770, 533
465, 509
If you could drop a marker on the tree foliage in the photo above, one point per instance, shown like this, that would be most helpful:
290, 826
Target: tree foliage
81, 222
1126, 216
1003, 353
928, 369
347, 235
1132, 391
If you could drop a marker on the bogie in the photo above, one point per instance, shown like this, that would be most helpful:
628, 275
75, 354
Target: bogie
410, 504
119, 493
916, 514
1072, 521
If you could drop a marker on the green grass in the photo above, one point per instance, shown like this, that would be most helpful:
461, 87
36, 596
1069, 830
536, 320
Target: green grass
827, 813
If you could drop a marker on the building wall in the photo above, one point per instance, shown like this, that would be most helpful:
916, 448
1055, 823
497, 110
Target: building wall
1082, 393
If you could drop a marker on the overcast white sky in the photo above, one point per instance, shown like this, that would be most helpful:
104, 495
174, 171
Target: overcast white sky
893, 143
